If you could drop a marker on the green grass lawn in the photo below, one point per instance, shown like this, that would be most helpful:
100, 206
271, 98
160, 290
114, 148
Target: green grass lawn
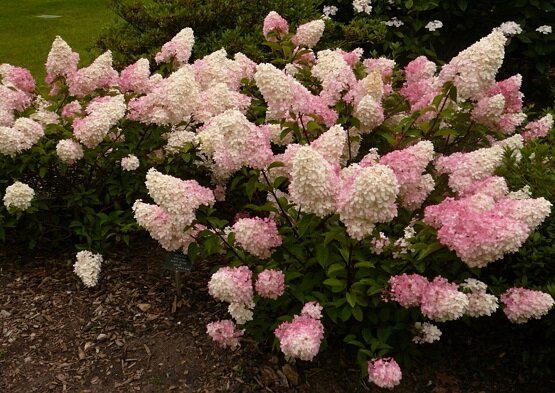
25, 39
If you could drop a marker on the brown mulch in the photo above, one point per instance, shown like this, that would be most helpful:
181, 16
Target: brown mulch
132, 333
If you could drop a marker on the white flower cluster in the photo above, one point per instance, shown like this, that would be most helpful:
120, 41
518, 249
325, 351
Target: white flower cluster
69, 151
370, 113
394, 22
309, 34
102, 116
329, 11
312, 185
434, 25
172, 101
426, 333
510, 28
177, 138
129, 163
18, 196
474, 69
87, 267
480, 303
367, 197
21, 136
545, 29
362, 6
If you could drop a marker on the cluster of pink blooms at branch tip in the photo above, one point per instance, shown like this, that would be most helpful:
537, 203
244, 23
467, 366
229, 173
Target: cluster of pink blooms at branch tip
274, 23
482, 228
301, 338
178, 48
538, 128
225, 333
270, 284
438, 299
258, 236
520, 304
384, 372
169, 220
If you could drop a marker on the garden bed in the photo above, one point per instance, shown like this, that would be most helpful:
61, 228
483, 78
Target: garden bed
131, 333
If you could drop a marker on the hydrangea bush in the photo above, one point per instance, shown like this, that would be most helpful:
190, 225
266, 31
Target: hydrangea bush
338, 196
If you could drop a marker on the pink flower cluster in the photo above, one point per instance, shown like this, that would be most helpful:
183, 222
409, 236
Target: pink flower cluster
103, 113
258, 236
501, 107
284, 94
539, 128
274, 23
438, 299
408, 165
21, 136
178, 48
225, 333
301, 338
384, 372
521, 305
270, 284
481, 229
421, 84
232, 285
234, 142
176, 203
99, 75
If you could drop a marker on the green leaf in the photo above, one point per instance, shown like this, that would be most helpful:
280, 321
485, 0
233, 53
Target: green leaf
336, 267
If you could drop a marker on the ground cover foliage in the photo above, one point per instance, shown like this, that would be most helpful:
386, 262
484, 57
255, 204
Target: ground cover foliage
348, 198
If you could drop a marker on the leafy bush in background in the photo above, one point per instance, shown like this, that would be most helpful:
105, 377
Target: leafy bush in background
234, 25
529, 53
231, 24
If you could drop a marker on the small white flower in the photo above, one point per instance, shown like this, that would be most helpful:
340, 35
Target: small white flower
129, 163
394, 22
510, 28
329, 11
545, 29
434, 25
362, 6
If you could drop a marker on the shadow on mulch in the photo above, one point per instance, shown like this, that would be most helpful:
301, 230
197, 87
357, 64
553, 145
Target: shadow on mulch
131, 333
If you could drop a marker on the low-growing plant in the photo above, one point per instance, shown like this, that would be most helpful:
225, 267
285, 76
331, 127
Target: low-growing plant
342, 197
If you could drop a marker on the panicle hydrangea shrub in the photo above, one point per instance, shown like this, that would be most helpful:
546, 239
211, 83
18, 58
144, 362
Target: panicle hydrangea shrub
348, 188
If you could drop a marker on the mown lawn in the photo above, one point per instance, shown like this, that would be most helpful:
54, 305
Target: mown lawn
25, 38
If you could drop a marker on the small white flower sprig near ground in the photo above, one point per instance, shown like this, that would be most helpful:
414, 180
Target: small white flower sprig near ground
87, 267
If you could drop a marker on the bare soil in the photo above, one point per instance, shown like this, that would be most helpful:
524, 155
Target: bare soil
132, 333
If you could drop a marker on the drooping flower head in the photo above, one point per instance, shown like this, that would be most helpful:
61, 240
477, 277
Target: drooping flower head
384, 372
224, 333
87, 267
